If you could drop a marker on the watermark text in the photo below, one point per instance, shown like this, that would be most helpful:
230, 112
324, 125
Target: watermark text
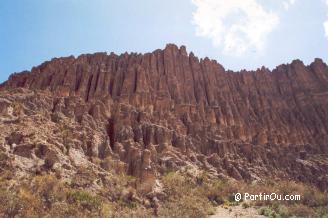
266, 197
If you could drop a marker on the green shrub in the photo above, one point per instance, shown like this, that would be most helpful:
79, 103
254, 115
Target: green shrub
265, 211
322, 212
245, 205
85, 200
185, 197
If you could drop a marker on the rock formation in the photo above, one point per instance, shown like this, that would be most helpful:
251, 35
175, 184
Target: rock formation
145, 114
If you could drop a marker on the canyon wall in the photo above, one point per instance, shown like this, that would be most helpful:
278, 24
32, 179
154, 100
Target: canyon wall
167, 108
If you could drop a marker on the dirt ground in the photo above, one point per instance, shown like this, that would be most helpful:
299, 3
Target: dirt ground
236, 211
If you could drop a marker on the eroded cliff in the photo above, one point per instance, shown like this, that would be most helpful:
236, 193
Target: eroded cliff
159, 111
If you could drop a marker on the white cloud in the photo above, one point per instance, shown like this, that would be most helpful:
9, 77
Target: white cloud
289, 3
325, 25
237, 25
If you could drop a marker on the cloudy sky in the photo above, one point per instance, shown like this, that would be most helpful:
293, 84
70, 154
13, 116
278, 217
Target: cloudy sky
240, 34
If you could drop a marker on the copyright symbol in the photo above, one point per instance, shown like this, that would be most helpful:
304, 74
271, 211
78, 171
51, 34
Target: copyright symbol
237, 197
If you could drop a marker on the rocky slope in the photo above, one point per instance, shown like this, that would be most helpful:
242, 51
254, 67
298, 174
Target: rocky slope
147, 114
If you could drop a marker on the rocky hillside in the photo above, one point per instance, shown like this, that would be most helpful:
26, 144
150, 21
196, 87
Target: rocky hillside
285, 106
147, 114
241, 124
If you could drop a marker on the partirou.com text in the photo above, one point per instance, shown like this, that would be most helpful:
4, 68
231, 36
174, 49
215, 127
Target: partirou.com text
266, 197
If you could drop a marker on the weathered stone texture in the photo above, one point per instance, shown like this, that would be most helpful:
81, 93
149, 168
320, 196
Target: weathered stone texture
167, 108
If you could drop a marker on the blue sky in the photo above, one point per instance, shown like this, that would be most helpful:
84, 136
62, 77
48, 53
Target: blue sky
240, 34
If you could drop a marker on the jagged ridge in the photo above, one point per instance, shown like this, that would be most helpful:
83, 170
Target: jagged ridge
163, 110
287, 105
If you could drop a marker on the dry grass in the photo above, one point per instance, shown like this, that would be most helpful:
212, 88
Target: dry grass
184, 196
313, 203
184, 191
46, 196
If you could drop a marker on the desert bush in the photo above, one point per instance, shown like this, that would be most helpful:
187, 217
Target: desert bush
185, 197
265, 211
300, 210
176, 184
245, 205
322, 212
10, 206
84, 200
125, 212
187, 206
277, 212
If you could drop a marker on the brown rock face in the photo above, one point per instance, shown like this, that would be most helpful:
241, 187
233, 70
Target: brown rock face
167, 108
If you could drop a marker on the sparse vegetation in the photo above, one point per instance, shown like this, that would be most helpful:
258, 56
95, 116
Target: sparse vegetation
46, 196
313, 203
277, 212
183, 196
